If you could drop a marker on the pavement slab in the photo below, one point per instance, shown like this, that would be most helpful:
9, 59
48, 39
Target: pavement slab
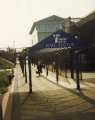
52, 102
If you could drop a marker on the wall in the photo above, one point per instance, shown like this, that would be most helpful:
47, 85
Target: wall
34, 37
47, 28
43, 35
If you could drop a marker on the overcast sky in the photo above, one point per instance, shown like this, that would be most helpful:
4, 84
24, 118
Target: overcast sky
17, 16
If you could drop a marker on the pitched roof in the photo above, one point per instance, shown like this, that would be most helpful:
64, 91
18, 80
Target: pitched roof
66, 41
86, 19
50, 18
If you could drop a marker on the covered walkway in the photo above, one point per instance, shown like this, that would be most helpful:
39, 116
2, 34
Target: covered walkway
62, 48
50, 101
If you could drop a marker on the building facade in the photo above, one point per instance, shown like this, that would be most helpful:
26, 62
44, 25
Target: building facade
45, 27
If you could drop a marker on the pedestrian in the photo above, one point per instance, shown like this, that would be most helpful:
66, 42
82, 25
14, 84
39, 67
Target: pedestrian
39, 68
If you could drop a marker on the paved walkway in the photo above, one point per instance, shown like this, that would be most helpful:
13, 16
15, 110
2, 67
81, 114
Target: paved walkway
50, 101
88, 80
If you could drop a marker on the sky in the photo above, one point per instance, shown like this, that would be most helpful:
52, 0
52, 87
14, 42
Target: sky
17, 17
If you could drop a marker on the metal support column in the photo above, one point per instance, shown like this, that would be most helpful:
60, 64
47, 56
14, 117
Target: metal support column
25, 71
30, 76
57, 70
72, 66
46, 70
77, 72
23, 66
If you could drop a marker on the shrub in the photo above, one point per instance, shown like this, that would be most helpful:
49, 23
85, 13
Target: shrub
4, 83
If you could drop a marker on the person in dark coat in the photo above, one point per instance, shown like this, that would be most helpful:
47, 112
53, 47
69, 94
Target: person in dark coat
39, 68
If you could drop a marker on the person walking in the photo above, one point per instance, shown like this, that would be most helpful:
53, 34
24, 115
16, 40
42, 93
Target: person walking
39, 68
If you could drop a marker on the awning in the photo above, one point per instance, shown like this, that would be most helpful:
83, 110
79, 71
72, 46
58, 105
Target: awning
58, 40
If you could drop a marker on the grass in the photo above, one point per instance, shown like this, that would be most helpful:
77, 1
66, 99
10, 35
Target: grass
4, 83
5, 64
5, 67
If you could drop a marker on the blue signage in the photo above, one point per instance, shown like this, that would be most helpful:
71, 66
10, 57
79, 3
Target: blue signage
59, 39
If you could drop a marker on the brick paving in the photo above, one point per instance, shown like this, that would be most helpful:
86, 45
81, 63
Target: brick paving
50, 101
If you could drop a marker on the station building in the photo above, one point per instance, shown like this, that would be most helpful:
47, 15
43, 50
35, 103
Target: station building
70, 61
45, 27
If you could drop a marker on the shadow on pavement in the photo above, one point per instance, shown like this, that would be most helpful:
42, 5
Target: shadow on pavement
59, 104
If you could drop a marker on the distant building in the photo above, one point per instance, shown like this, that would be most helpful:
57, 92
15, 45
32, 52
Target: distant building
45, 27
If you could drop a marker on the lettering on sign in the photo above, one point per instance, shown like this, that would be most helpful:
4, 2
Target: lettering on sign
59, 42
